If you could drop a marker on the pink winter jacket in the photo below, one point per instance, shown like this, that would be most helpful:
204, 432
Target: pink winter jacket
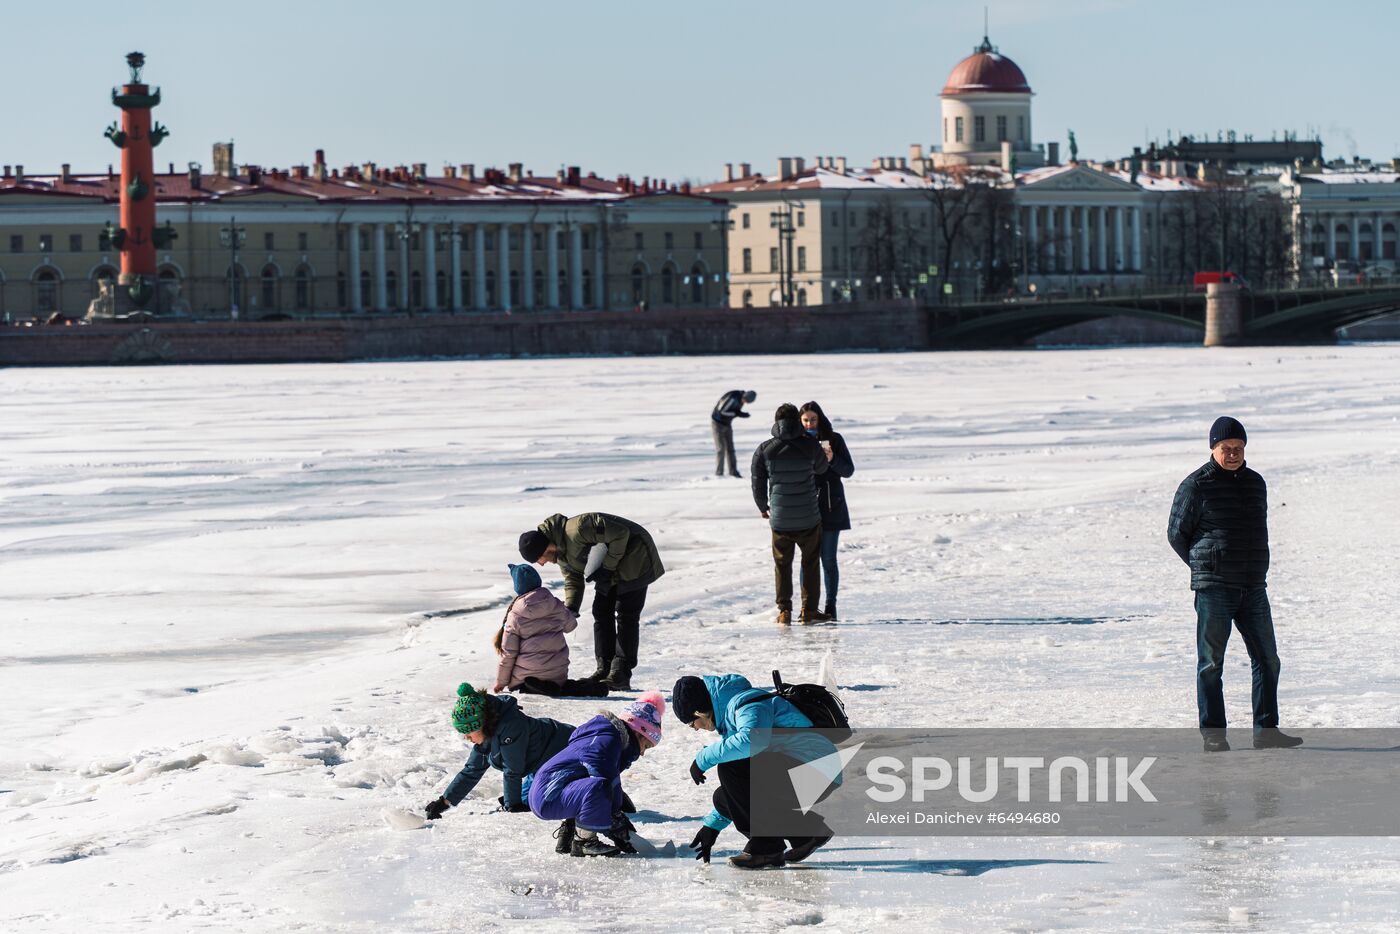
533, 642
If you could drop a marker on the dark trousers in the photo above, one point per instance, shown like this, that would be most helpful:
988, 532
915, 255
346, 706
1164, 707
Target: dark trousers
734, 800
809, 542
616, 618
723, 434
1248, 609
569, 687
831, 574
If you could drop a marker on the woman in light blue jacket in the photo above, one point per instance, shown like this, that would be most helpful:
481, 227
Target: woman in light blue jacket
744, 717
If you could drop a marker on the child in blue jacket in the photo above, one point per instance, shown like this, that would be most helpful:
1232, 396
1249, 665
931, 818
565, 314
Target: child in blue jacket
582, 784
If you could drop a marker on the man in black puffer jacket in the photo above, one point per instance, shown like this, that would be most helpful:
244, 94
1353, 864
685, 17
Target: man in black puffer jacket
1219, 527
783, 474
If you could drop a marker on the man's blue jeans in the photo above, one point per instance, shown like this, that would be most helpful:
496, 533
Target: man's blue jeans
831, 574
1248, 609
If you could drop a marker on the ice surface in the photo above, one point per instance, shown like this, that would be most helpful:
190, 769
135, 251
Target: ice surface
236, 603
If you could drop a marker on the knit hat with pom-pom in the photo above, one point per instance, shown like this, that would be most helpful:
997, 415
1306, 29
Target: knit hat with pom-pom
469, 713
643, 715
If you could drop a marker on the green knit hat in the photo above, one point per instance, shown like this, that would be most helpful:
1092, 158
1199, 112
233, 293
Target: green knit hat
469, 713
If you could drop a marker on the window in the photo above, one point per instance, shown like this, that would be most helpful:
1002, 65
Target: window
801, 218
697, 284
1021, 129
490, 240
1001, 128
979, 129
269, 285
513, 281
587, 280
46, 289
512, 240
490, 288
836, 218
391, 283
748, 298
45, 243
745, 223
957, 129
366, 293
467, 298
302, 240
835, 256
670, 240
945, 129
537, 240
538, 280
268, 239
342, 299
748, 260
851, 219
637, 240
364, 240
303, 286
802, 296
415, 290
802, 259
668, 286
699, 240
75, 243
587, 240
415, 243
440, 286
560, 242
772, 259
16, 243
639, 284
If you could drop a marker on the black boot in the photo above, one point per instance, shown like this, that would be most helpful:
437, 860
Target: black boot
747, 860
1274, 738
805, 847
589, 843
1214, 740
601, 672
619, 676
830, 610
565, 835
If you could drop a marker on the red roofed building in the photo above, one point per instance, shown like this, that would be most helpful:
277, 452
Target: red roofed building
986, 113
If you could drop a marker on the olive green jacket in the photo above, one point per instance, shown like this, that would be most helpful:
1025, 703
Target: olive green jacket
632, 559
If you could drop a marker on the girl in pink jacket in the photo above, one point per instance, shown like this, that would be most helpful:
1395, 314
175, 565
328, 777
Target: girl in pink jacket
530, 642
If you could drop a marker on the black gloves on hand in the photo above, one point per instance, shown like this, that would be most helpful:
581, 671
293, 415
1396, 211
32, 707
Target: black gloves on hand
602, 581
704, 842
436, 808
621, 832
516, 808
697, 776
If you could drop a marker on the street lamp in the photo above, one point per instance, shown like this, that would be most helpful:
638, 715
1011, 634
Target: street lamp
781, 221
233, 237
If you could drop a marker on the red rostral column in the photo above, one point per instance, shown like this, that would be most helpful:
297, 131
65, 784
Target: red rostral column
138, 238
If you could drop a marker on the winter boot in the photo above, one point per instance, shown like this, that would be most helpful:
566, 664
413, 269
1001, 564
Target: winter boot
565, 835
805, 847
601, 672
586, 843
785, 617
1214, 740
619, 677
1274, 738
747, 860
539, 686
830, 610
808, 617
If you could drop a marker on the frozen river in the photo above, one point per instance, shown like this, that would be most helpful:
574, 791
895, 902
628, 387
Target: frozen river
236, 601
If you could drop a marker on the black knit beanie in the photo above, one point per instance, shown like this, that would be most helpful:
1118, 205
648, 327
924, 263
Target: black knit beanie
1226, 429
689, 697
532, 545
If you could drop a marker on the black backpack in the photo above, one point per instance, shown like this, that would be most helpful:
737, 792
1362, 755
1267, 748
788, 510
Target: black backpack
814, 702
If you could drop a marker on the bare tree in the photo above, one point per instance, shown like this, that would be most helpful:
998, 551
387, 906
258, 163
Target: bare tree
966, 203
888, 246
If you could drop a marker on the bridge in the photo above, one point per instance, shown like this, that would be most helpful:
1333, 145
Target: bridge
1295, 316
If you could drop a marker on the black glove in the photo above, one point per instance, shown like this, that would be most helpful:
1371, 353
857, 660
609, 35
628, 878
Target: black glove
602, 582
697, 776
436, 808
517, 808
621, 832
704, 842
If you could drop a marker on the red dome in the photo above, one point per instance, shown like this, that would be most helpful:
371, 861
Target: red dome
986, 71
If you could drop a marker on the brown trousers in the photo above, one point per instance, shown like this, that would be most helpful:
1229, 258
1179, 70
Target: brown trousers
809, 542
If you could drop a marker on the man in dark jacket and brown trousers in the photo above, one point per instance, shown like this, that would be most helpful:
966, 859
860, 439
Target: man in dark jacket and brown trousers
1219, 528
783, 475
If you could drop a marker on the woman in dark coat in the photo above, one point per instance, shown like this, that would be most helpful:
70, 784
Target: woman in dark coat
831, 495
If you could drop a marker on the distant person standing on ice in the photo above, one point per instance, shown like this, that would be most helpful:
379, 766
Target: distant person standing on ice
729, 407
1219, 528
629, 564
831, 495
784, 479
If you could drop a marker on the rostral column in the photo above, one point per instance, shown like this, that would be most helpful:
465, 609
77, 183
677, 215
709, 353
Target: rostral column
137, 238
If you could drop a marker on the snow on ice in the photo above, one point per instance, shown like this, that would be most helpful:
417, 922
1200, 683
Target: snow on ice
236, 603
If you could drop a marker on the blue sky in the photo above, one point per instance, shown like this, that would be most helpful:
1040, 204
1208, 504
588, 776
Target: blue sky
674, 90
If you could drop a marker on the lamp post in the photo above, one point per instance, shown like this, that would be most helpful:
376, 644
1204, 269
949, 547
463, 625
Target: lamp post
233, 237
781, 221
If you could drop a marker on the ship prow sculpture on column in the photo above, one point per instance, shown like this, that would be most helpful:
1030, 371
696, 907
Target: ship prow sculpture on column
135, 293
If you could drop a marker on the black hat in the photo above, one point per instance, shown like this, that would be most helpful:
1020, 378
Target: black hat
750, 395
689, 697
1225, 429
532, 545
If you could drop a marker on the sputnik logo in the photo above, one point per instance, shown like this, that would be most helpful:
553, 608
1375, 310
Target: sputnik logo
810, 780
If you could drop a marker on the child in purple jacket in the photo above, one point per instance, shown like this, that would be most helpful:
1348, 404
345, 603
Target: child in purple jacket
582, 783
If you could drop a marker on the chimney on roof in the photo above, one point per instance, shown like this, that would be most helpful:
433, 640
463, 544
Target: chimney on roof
745, 170
572, 176
1052, 153
916, 152
685, 187
559, 176
798, 164
195, 180
517, 170
66, 175
19, 175
784, 168
469, 171
299, 172
367, 170
254, 174
318, 166
841, 164
449, 171
420, 170
1006, 157
7, 172
729, 171
223, 159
